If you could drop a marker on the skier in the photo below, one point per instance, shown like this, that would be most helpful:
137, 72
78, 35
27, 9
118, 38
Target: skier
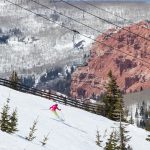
53, 108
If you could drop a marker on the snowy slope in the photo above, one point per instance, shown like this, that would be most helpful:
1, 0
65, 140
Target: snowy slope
77, 132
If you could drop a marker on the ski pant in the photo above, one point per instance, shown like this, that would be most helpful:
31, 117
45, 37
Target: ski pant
55, 113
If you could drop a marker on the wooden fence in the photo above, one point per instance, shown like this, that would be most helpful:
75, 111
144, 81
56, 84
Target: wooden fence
91, 107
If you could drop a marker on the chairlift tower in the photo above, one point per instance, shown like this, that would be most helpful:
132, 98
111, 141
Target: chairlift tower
75, 32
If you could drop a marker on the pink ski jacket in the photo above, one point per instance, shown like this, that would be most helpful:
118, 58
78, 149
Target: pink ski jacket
54, 107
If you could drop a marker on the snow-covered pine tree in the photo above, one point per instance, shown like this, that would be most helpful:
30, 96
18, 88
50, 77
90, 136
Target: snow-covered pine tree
45, 139
131, 121
141, 111
5, 118
14, 79
112, 142
31, 136
98, 141
13, 122
136, 113
113, 99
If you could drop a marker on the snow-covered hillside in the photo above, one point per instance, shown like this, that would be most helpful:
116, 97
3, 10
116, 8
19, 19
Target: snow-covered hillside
30, 44
77, 132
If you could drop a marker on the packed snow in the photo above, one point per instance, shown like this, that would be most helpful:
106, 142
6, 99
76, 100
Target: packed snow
76, 132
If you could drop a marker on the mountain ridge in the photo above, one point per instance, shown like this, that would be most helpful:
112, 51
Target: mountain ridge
131, 73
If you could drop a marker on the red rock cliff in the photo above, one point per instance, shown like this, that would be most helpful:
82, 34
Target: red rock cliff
131, 73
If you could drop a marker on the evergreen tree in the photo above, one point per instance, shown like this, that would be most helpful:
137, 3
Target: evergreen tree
149, 111
141, 111
98, 141
112, 142
129, 147
105, 133
118, 107
113, 99
146, 114
4, 121
126, 113
32, 131
123, 137
147, 126
148, 138
14, 80
72, 69
45, 139
136, 113
131, 121
13, 122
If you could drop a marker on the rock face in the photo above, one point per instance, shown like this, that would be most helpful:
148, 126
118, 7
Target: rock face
132, 71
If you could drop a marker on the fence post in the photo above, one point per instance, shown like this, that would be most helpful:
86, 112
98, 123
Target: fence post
49, 96
99, 109
76, 103
65, 100
93, 110
86, 106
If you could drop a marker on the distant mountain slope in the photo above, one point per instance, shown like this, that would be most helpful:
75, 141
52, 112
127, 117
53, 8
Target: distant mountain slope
30, 44
131, 73
137, 97
77, 132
